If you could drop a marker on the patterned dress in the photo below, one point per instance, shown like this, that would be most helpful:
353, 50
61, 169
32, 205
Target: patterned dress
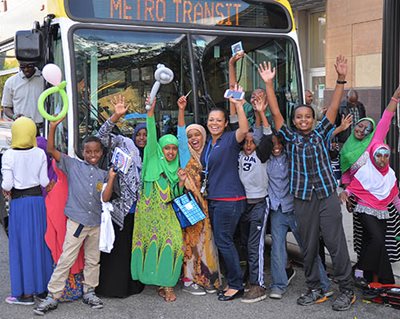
157, 253
201, 257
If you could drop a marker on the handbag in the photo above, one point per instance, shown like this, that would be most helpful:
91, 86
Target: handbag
187, 210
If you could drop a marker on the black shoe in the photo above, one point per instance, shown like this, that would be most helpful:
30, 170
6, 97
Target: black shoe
238, 294
360, 282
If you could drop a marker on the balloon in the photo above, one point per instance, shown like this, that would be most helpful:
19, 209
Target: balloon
163, 75
55, 89
52, 74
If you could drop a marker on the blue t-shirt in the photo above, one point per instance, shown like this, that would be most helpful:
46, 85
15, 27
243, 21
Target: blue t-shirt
223, 176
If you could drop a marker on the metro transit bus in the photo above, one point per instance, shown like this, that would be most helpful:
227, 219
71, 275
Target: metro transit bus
110, 47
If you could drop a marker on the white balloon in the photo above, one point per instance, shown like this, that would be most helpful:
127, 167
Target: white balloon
52, 74
163, 75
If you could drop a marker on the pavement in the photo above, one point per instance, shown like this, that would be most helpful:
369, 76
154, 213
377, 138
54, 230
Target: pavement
149, 305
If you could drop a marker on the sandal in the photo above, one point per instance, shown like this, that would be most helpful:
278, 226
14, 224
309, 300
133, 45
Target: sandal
161, 292
169, 294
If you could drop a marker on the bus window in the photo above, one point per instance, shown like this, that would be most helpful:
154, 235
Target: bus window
212, 54
110, 62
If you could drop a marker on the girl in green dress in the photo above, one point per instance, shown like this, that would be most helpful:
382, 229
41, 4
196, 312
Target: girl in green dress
157, 251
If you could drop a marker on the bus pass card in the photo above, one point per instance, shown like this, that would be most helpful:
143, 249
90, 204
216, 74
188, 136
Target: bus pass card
121, 160
236, 48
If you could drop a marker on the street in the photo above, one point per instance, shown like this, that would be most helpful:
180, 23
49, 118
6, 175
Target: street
149, 305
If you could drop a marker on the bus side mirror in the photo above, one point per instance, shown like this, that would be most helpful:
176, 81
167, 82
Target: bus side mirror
29, 46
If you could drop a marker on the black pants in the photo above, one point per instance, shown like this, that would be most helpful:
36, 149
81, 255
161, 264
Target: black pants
373, 255
323, 215
252, 232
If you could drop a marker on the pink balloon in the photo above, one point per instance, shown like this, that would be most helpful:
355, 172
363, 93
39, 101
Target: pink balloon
52, 74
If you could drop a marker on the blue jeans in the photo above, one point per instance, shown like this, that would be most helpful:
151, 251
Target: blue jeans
281, 223
225, 217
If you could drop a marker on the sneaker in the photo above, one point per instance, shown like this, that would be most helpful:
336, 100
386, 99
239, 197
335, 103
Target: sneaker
329, 292
25, 301
195, 289
312, 296
92, 300
41, 297
276, 293
246, 286
255, 293
290, 272
45, 306
211, 289
344, 300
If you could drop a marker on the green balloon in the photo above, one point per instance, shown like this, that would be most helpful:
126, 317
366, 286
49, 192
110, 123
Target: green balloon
55, 89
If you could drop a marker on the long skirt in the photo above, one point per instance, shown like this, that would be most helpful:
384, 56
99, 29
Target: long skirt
392, 230
374, 258
31, 264
115, 268
157, 252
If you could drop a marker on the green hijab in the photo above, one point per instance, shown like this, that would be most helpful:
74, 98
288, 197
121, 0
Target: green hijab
353, 148
154, 166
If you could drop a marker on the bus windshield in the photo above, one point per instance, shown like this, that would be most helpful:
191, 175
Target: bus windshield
108, 62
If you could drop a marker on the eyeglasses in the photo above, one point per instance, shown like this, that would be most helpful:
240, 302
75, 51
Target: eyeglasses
27, 66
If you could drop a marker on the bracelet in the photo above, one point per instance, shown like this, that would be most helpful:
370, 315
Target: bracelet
394, 100
341, 82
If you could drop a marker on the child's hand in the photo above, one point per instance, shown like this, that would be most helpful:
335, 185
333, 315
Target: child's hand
346, 121
236, 57
182, 102
119, 104
50, 185
7, 194
182, 175
112, 172
153, 105
344, 197
55, 123
341, 66
266, 71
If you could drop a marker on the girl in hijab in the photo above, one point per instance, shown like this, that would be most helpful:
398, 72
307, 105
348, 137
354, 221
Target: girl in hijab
140, 137
115, 276
157, 253
374, 186
24, 171
200, 263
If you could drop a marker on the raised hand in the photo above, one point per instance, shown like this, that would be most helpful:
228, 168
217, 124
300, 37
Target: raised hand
266, 71
346, 121
236, 57
341, 66
56, 123
119, 104
237, 102
182, 102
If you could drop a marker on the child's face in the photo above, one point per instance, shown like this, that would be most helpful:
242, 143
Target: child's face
381, 157
195, 139
92, 152
141, 138
362, 129
277, 146
170, 151
303, 119
249, 145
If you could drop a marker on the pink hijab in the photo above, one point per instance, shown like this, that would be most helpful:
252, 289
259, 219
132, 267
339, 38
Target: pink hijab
376, 187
